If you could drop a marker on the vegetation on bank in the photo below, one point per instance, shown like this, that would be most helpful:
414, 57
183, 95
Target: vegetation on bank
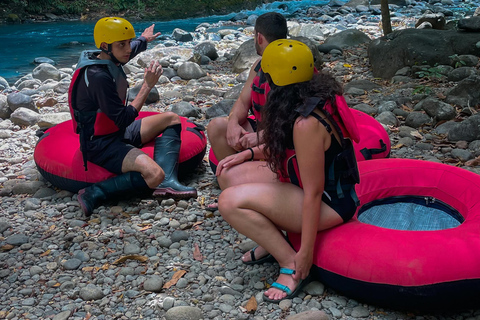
18, 11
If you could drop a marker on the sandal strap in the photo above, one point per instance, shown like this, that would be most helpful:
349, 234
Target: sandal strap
282, 287
252, 254
287, 271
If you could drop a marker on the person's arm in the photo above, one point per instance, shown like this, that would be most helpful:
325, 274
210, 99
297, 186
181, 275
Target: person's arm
250, 154
239, 113
309, 140
151, 76
140, 44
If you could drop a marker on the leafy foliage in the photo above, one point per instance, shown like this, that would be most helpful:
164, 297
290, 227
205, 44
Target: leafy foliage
159, 9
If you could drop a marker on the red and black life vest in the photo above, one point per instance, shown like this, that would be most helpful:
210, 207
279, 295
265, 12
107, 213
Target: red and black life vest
102, 124
260, 89
94, 122
342, 173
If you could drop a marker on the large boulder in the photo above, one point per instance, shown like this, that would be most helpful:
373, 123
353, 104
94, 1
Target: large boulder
206, 48
409, 47
245, 56
466, 93
348, 38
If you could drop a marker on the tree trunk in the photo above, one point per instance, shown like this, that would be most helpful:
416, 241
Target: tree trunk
386, 24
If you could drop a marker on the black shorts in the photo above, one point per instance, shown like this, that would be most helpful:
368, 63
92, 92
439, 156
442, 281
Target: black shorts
109, 151
345, 207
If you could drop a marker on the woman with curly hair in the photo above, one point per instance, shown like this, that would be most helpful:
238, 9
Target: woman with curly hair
306, 145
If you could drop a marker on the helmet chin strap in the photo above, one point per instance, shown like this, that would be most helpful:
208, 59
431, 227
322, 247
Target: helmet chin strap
112, 57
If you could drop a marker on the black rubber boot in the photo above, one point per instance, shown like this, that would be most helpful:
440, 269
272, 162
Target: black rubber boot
165, 154
122, 184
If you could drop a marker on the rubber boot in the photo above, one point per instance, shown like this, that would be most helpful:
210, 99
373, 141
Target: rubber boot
122, 184
165, 154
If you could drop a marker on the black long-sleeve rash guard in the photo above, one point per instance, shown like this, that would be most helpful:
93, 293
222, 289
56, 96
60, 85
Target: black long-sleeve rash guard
101, 92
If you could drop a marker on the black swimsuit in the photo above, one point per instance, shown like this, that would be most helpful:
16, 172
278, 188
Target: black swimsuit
343, 202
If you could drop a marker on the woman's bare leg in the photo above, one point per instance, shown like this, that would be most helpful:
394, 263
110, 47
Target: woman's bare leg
259, 210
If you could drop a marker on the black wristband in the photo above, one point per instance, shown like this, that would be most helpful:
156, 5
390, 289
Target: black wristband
253, 153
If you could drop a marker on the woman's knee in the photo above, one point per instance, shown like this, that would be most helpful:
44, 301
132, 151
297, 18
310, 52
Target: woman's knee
227, 202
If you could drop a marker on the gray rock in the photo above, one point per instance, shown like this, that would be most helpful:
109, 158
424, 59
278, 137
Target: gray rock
153, 284
131, 248
470, 24
5, 110
220, 109
179, 235
4, 225
466, 93
3, 84
153, 95
467, 130
44, 193
417, 119
390, 53
29, 84
181, 35
438, 110
245, 56
184, 313
27, 187
190, 70
72, 264
46, 71
314, 288
169, 73
309, 315
20, 100
17, 239
63, 315
40, 60
24, 117
387, 118
91, 292
49, 120
348, 38
185, 109
206, 48
363, 84
387, 106
461, 73
462, 155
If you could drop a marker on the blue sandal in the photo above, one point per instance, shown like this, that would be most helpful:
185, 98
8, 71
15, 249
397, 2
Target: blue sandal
287, 290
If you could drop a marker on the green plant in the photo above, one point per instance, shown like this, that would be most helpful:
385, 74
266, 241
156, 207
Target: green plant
457, 63
422, 90
430, 72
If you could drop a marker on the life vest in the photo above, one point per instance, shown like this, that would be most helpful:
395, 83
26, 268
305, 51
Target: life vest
102, 125
342, 174
93, 123
260, 89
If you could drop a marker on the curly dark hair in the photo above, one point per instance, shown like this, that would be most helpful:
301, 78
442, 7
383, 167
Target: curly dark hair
279, 115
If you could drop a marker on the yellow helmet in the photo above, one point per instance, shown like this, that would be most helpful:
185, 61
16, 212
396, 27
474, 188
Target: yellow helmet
111, 29
287, 62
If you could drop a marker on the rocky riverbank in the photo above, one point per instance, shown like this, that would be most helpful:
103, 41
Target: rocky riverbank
143, 258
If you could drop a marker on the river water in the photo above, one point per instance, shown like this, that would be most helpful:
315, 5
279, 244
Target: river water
63, 41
